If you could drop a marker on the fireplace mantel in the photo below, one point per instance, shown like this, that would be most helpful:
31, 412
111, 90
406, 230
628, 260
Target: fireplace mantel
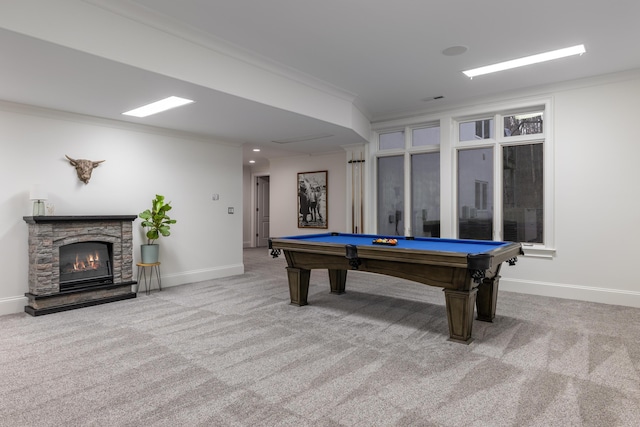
48, 233
69, 218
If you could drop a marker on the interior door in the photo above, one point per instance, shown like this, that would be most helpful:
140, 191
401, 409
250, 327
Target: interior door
262, 211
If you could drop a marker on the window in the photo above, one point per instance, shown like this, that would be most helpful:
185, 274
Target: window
391, 195
520, 188
392, 140
486, 175
475, 198
416, 211
523, 124
422, 137
425, 194
523, 192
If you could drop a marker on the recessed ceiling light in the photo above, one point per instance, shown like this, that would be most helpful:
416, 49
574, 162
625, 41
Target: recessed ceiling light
158, 106
455, 50
252, 161
256, 149
528, 60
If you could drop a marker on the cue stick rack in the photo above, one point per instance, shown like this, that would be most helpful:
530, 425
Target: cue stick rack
357, 192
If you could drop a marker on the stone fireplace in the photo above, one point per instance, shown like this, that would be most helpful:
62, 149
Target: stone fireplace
79, 261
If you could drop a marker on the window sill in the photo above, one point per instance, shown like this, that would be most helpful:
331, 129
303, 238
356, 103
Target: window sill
532, 251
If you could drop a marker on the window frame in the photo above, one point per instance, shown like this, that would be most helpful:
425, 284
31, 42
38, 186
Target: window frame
546, 248
407, 152
448, 148
387, 151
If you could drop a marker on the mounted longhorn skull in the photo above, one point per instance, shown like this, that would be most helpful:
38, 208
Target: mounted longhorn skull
84, 167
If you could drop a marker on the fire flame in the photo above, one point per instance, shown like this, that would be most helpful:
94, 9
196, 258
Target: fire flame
92, 262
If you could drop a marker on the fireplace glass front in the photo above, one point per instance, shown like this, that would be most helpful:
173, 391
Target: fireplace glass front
85, 264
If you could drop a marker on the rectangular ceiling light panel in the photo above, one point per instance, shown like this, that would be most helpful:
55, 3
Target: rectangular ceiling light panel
158, 106
528, 60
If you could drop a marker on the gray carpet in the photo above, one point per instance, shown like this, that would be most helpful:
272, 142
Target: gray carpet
234, 352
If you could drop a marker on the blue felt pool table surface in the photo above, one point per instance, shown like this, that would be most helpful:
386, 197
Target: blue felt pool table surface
417, 243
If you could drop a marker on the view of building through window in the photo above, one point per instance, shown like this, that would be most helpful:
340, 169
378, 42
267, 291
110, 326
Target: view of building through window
523, 201
523, 124
391, 195
425, 194
391, 140
475, 193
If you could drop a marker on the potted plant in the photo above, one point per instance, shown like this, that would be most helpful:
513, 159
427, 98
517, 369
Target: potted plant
156, 223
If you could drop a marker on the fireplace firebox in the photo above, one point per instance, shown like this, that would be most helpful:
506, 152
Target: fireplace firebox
85, 264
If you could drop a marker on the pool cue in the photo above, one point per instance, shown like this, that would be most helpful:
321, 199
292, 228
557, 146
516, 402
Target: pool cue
355, 192
361, 189
353, 208
358, 225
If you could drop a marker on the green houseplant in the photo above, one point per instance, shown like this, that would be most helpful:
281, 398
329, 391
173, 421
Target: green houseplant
156, 223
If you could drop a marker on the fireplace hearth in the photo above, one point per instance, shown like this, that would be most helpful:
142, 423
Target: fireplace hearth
79, 261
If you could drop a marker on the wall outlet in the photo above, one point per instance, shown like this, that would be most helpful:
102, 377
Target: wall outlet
230, 210
215, 197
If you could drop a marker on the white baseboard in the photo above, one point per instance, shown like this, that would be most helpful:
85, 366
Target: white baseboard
14, 305
576, 292
182, 278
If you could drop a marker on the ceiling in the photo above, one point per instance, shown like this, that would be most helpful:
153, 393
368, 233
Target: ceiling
386, 55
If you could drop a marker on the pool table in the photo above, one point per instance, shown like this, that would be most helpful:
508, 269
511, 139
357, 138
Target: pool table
468, 270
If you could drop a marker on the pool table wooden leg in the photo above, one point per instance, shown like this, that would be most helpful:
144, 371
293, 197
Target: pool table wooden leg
460, 307
298, 285
338, 280
487, 299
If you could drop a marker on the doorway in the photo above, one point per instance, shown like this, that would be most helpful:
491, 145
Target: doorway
262, 211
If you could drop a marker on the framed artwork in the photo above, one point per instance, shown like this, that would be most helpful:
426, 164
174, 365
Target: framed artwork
312, 200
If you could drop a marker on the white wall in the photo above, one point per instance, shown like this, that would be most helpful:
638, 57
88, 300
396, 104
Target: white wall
139, 162
596, 196
283, 184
